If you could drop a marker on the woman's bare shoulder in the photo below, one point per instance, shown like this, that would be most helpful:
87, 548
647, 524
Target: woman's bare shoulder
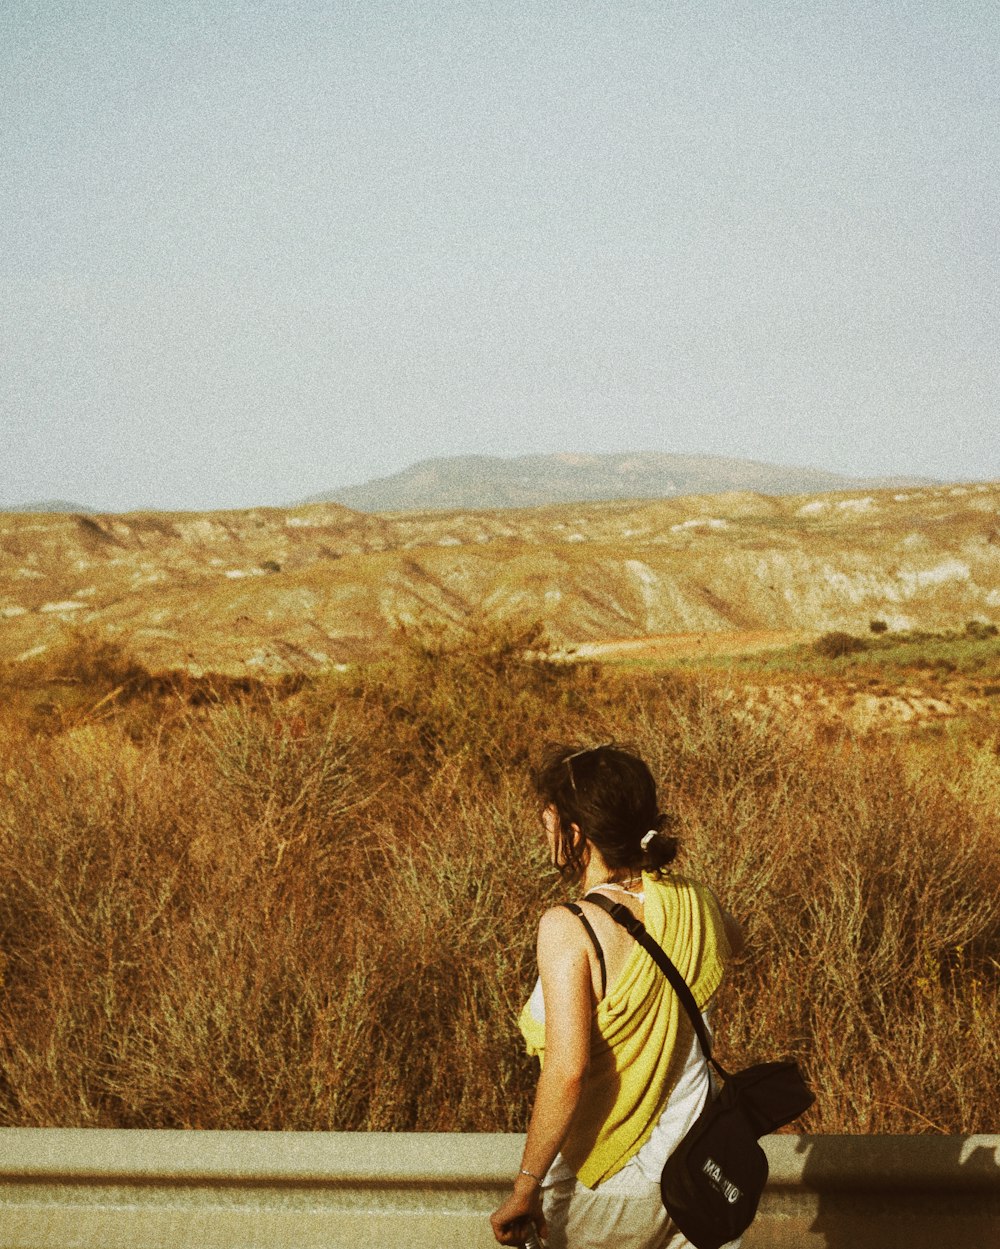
562, 944
557, 924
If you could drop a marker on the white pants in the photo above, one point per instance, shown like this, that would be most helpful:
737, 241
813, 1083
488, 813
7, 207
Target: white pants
625, 1212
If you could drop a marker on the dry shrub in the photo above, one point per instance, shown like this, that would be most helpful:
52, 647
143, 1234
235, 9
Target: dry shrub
870, 891
315, 908
838, 643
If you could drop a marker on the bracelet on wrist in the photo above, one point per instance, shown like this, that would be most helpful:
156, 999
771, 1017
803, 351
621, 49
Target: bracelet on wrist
532, 1175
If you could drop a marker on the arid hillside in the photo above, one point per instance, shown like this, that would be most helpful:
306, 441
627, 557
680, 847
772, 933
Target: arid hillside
278, 590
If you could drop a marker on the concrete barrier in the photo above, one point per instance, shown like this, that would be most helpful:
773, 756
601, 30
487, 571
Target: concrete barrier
103, 1189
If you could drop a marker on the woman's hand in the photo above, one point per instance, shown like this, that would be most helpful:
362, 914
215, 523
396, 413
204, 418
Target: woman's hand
520, 1215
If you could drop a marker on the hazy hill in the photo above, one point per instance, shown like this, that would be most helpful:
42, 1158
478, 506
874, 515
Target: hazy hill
48, 505
274, 589
482, 481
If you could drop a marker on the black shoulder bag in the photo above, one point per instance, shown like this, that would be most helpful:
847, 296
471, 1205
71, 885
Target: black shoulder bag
712, 1182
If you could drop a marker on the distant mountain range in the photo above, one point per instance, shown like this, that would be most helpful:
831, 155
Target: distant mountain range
49, 505
488, 482
485, 482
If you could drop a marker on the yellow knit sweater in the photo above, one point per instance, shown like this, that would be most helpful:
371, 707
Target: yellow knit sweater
635, 1059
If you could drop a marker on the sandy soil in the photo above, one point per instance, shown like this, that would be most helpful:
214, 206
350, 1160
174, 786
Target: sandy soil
694, 645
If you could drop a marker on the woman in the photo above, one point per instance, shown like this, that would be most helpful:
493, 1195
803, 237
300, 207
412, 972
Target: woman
622, 1075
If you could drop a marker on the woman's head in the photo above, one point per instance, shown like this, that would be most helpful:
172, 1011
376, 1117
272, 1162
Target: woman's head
609, 795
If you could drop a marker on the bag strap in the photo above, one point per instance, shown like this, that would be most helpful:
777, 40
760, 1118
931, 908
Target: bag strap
622, 915
578, 912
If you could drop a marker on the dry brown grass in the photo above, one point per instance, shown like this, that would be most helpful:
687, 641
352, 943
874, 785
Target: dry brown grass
238, 907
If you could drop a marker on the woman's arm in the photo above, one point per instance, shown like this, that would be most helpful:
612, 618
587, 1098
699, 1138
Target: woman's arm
564, 967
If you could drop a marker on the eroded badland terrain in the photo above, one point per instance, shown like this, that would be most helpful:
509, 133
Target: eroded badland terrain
273, 590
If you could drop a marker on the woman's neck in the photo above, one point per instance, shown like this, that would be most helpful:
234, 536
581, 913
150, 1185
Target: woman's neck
597, 873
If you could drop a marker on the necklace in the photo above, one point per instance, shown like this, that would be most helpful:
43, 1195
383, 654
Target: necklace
619, 885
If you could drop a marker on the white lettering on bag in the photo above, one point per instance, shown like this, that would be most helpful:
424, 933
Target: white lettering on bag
726, 1187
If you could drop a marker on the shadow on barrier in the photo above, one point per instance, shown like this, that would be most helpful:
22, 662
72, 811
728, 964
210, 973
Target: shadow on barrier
895, 1193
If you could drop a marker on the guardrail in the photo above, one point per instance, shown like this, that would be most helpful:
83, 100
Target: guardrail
105, 1189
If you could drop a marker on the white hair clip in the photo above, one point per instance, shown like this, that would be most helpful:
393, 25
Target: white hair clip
644, 844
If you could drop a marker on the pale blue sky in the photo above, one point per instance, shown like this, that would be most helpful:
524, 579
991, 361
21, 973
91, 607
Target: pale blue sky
251, 251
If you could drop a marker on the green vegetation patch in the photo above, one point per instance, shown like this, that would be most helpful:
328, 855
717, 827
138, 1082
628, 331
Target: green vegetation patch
973, 653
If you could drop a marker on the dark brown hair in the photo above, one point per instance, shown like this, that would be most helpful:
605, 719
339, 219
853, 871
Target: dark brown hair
610, 795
